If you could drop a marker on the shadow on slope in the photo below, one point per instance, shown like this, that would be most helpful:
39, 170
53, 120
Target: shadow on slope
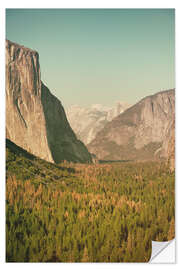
19, 161
62, 141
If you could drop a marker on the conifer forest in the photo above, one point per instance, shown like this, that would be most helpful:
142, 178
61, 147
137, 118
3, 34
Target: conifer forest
70, 212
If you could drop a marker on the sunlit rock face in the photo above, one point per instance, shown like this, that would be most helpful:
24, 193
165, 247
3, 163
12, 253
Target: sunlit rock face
35, 119
139, 133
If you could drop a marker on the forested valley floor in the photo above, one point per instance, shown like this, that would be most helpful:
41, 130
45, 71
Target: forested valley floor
85, 213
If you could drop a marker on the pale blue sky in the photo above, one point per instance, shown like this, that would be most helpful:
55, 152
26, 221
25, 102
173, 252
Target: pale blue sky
99, 56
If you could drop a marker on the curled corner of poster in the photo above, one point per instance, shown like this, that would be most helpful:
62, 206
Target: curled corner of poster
163, 252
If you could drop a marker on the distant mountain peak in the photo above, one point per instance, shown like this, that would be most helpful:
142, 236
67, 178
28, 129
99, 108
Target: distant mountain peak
87, 121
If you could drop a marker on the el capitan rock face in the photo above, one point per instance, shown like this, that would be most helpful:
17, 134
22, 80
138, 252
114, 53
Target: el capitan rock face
139, 132
35, 119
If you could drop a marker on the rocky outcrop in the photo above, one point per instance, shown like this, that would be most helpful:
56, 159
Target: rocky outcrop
168, 146
171, 148
139, 132
87, 122
35, 119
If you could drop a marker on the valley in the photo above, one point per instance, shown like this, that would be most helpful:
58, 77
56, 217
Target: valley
71, 212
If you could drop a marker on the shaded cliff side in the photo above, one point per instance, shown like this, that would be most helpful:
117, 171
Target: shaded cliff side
35, 119
139, 132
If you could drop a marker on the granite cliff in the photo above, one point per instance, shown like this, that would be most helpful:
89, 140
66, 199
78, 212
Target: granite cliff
168, 146
35, 119
142, 132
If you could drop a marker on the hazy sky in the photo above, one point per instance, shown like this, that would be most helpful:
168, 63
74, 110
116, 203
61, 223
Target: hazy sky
99, 56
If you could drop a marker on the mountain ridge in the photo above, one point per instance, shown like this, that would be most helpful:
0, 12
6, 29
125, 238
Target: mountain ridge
139, 131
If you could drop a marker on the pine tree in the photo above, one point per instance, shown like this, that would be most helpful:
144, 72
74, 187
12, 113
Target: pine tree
85, 257
171, 232
130, 242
